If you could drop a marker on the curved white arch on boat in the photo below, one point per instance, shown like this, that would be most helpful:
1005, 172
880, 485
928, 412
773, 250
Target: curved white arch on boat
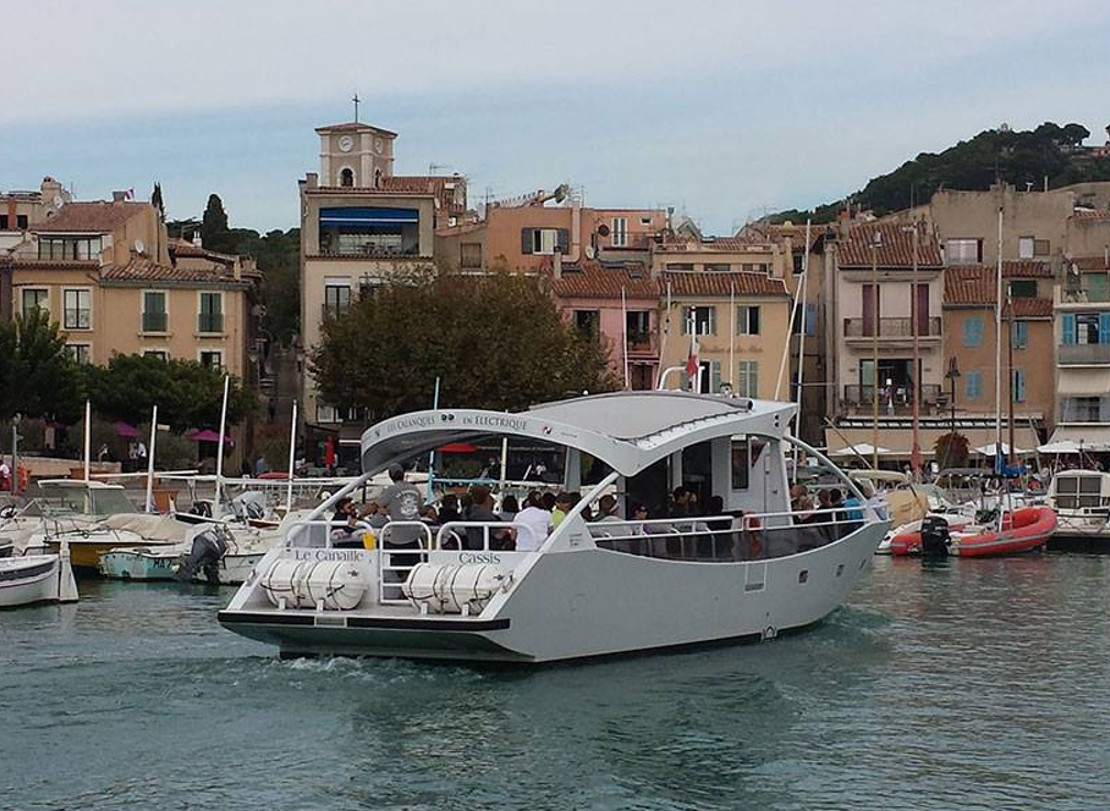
628, 430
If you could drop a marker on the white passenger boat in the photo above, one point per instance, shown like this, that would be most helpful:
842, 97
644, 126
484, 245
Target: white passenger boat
590, 588
31, 579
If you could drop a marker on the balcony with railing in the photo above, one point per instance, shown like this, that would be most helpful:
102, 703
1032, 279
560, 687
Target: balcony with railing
643, 345
1083, 354
210, 322
896, 400
893, 329
154, 322
1093, 409
1087, 293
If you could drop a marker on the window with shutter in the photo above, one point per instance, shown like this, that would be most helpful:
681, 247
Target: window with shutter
1067, 328
973, 330
973, 385
1019, 386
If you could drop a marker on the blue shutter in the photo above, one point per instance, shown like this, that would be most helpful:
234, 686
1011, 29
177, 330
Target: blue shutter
1067, 327
973, 330
811, 320
1019, 386
1104, 328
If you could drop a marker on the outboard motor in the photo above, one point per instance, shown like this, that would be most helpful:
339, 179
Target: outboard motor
208, 547
935, 537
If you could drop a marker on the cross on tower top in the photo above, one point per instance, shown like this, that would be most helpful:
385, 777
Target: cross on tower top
356, 100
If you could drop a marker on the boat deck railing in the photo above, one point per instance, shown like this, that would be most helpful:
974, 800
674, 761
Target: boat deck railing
728, 538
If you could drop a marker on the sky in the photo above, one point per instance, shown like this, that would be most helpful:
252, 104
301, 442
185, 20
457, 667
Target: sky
724, 110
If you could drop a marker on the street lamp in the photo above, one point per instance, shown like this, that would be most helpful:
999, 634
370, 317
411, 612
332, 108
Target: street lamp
876, 243
952, 374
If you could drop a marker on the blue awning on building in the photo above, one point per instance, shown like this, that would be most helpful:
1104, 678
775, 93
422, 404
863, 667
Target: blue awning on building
369, 216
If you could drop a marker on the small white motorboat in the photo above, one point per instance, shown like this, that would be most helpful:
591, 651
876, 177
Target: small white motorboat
31, 579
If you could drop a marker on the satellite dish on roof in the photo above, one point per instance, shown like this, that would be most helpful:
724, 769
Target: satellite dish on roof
140, 246
603, 230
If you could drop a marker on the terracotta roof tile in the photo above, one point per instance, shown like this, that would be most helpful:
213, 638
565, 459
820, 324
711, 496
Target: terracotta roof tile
1026, 269
896, 250
1032, 308
715, 283
977, 286
144, 270
593, 279
1089, 264
98, 217
181, 247
1090, 214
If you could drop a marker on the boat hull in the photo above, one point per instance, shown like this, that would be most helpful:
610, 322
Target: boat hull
86, 551
587, 603
153, 565
1025, 530
34, 579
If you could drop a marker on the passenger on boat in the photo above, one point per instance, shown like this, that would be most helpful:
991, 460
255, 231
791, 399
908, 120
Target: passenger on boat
481, 510
608, 510
509, 507
401, 501
563, 505
346, 532
536, 523
449, 509
682, 503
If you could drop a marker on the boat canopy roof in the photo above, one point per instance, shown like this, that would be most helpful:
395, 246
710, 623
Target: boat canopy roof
627, 430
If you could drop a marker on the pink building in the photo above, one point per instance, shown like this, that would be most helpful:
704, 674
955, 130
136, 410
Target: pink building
618, 302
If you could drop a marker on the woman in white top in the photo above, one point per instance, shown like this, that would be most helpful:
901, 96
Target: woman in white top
533, 524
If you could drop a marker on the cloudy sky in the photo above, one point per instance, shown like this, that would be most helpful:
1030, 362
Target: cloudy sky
725, 110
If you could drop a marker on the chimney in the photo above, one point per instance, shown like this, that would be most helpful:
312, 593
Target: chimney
312, 180
119, 196
197, 242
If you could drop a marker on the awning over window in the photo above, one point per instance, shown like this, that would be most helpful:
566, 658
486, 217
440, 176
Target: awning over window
1088, 437
1092, 382
897, 442
369, 216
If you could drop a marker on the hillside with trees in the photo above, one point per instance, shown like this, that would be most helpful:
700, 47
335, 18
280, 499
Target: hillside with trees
1021, 158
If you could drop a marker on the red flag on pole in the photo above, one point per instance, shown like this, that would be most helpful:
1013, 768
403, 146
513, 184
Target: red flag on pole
692, 363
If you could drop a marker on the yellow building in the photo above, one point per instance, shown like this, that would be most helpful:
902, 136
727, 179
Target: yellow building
743, 328
115, 284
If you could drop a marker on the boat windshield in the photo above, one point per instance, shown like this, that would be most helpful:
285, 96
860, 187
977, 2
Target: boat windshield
98, 502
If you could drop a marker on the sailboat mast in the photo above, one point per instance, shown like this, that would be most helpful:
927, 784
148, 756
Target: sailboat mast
998, 351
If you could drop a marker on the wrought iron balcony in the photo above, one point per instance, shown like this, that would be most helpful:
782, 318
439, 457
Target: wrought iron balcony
898, 398
891, 328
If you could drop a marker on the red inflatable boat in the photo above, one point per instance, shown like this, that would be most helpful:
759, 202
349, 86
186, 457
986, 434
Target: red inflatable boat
1023, 530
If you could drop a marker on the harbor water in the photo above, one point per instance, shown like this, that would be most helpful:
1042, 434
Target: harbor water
971, 684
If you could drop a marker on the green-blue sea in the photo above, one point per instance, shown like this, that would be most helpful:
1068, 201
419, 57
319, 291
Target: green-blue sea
970, 684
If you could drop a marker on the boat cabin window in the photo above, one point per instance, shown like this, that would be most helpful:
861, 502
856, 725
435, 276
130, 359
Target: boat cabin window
745, 455
1078, 492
